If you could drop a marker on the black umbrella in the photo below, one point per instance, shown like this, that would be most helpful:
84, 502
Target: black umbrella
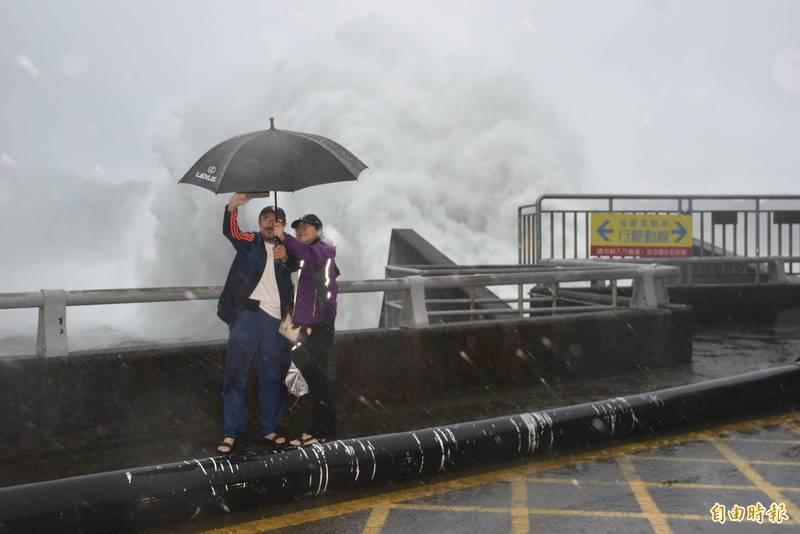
273, 160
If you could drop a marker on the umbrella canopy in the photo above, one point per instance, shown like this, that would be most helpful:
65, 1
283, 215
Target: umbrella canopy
273, 160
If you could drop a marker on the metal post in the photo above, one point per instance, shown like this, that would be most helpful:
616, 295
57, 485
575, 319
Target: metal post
777, 272
519, 236
51, 335
587, 225
538, 230
575, 234
519, 300
414, 313
702, 234
758, 227
769, 235
531, 252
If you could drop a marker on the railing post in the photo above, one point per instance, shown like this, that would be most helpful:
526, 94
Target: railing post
758, 227
648, 292
519, 235
51, 335
777, 271
614, 294
538, 233
554, 292
414, 313
662, 293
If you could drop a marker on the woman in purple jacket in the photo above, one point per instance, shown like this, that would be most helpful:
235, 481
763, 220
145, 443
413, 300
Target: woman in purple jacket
315, 310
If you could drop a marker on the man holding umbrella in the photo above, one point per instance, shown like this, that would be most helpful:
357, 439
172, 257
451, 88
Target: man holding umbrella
257, 293
259, 288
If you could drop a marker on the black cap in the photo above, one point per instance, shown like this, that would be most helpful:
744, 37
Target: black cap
308, 218
280, 215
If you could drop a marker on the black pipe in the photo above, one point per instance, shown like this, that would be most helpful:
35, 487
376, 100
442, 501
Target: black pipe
178, 491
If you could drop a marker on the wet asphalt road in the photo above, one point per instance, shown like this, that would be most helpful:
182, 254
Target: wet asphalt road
743, 477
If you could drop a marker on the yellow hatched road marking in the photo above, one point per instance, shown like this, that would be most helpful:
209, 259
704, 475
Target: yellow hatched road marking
646, 457
376, 519
454, 508
754, 477
710, 460
679, 485
575, 481
646, 502
687, 485
552, 511
545, 511
762, 440
365, 503
520, 517
793, 426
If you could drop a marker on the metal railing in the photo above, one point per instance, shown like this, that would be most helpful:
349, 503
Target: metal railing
649, 291
648, 281
558, 226
711, 270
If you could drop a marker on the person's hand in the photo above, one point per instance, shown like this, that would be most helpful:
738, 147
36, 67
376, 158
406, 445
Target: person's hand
237, 200
280, 253
279, 227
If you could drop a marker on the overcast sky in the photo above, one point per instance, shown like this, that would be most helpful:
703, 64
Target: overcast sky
462, 110
651, 86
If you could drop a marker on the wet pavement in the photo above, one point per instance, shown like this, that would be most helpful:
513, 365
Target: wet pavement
742, 477
717, 353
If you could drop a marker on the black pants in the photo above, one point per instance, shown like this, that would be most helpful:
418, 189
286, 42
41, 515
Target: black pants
312, 360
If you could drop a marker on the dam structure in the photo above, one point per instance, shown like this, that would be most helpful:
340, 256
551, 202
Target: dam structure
627, 318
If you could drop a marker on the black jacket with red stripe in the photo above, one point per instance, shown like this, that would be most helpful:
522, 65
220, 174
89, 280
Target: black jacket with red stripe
247, 268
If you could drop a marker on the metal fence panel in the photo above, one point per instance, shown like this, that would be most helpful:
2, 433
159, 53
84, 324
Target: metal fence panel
558, 226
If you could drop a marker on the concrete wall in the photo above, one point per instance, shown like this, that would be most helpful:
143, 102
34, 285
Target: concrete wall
767, 305
98, 398
771, 306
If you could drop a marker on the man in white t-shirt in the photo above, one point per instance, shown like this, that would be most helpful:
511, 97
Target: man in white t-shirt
257, 293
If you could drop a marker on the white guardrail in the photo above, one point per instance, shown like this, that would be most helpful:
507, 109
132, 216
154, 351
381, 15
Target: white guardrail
649, 291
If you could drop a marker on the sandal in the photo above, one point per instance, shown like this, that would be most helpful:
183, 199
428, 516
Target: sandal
307, 439
277, 440
229, 445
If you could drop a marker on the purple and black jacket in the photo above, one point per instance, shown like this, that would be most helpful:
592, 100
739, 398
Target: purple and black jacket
317, 289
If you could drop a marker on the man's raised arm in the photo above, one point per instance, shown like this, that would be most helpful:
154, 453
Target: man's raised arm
230, 225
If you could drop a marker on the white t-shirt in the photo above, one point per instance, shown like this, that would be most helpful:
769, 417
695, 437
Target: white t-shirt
266, 292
